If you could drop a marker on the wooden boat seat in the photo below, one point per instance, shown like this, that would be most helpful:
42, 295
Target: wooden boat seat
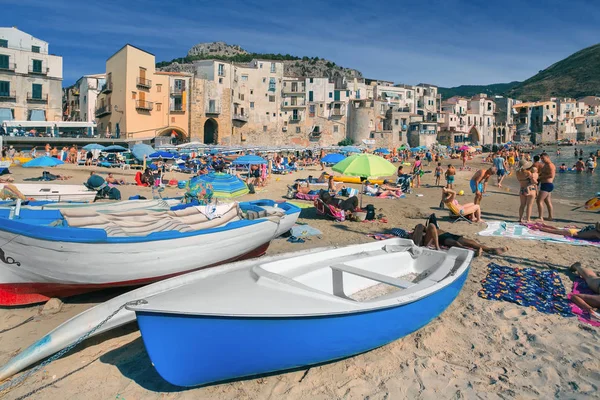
400, 283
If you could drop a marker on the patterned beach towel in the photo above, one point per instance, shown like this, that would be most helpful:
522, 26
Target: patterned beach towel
518, 231
542, 290
580, 287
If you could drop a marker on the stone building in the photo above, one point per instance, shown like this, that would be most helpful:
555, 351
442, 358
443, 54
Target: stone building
79, 100
30, 80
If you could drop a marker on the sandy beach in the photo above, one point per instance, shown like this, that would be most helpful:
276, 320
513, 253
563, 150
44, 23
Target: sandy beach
476, 349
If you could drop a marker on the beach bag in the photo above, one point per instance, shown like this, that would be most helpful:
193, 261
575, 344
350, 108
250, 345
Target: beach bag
114, 194
251, 188
370, 212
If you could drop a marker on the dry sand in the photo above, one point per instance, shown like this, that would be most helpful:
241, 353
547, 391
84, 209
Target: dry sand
476, 349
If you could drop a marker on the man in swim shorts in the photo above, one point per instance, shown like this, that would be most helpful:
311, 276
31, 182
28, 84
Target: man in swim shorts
546, 179
479, 183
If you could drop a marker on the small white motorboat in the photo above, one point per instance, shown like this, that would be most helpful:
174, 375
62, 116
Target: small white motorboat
54, 192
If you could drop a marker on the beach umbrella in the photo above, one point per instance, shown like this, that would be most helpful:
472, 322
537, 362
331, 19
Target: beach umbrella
415, 149
165, 155
382, 151
43, 162
140, 150
350, 149
333, 158
93, 146
224, 186
249, 160
115, 148
365, 166
403, 147
464, 147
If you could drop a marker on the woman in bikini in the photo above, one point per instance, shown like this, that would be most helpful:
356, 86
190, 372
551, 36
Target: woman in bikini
449, 196
527, 176
588, 302
589, 232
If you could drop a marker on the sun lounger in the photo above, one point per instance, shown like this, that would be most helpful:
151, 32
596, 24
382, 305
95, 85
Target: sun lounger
456, 214
329, 211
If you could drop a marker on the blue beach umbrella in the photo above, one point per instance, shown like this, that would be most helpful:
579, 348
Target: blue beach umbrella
382, 151
141, 150
43, 162
161, 154
333, 158
115, 148
93, 146
415, 149
249, 160
351, 149
224, 185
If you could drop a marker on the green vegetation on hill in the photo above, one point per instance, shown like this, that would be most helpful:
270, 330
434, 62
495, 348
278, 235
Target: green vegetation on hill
239, 58
575, 76
472, 90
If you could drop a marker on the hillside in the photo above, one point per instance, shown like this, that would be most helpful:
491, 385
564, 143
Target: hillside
575, 76
472, 90
294, 66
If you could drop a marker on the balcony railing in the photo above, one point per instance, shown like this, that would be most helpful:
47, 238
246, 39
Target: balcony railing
338, 112
102, 111
38, 71
144, 105
177, 110
107, 88
8, 96
177, 91
8, 67
240, 117
221, 72
295, 118
291, 91
289, 104
215, 109
144, 83
42, 98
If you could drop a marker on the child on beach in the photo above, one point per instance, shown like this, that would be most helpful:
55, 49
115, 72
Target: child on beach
438, 173
450, 172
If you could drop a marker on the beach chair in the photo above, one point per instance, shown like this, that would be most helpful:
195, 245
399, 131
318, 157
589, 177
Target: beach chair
455, 213
329, 211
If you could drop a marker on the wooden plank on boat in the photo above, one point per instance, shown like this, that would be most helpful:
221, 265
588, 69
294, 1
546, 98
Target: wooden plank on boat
373, 276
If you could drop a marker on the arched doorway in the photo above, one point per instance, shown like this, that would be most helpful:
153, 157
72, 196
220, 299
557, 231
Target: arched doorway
211, 131
175, 135
503, 135
496, 136
474, 136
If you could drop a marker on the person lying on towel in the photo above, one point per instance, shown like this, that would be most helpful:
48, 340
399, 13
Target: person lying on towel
110, 179
590, 232
348, 205
382, 191
588, 302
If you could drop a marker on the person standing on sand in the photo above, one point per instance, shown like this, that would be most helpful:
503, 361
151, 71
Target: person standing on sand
501, 167
479, 181
546, 178
450, 173
438, 173
463, 157
527, 177
417, 169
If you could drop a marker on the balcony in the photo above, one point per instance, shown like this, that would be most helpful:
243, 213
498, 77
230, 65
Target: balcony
8, 67
8, 96
177, 110
107, 88
288, 91
290, 104
144, 83
240, 117
175, 91
295, 118
214, 109
144, 105
221, 72
42, 98
338, 112
38, 71
102, 111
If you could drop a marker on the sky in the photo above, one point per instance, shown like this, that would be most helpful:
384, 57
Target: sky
441, 42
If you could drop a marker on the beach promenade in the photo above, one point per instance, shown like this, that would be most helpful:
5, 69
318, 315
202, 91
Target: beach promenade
476, 349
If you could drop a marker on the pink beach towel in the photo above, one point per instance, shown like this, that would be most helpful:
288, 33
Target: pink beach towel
580, 287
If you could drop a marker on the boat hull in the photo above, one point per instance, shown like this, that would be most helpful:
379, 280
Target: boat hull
192, 350
54, 192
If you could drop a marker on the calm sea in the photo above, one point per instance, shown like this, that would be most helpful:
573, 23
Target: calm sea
570, 185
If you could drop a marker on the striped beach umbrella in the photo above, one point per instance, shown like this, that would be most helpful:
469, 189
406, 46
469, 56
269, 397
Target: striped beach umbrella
225, 186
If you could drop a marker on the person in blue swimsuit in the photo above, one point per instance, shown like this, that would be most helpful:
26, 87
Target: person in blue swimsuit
546, 179
479, 181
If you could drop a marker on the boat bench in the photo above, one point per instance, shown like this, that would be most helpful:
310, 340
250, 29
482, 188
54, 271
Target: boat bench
339, 269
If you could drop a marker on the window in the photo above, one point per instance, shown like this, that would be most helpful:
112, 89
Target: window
272, 85
177, 104
4, 43
274, 114
220, 80
264, 80
85, 99
260, 66
133, 95
264, 126
251, 91
271, 99
172, 119
347, 93
298, 129
35, 49
3, 61
272, 67
311, 110
244, 78
158, 107
310, 96
241, 96
221, 70
310, 80
37, 66
4, 88
36, 91
396, 122
335, 129
251, 105
158, 89
267, 113
372, 135
330, 95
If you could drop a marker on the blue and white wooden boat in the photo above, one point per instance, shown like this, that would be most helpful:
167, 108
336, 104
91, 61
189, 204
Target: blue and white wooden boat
234, 322
61, 252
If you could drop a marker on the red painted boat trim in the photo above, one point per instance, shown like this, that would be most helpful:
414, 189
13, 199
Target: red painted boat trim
19, 294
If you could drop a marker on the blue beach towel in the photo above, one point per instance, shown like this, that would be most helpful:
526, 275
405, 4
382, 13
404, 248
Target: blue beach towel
542, 290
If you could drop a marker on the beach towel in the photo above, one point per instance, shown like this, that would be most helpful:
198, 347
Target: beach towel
528, 287
301, 205
304, 230
518, 231
306, 196
580, 287
381, 236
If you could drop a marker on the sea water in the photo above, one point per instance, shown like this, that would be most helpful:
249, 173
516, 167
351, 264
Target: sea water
568, 185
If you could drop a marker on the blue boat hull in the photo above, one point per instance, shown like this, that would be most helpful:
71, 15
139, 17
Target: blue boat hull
198, 350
